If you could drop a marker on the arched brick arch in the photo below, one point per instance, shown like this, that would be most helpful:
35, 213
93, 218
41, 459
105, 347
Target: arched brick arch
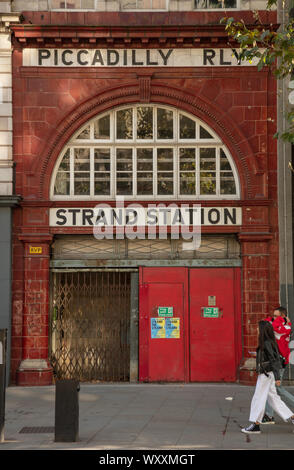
214, 116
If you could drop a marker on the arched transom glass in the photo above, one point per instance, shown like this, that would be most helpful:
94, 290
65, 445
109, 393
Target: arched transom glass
145, 152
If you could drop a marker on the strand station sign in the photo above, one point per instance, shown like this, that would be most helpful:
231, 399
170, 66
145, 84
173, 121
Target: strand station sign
103, 216
132, 58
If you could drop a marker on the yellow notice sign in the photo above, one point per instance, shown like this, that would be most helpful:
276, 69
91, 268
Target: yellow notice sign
36, 250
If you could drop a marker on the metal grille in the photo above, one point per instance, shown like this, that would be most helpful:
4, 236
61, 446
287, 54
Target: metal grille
88, 247
149, 249
90, 321
37, 430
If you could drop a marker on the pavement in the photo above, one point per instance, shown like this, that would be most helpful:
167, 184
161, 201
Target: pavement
143, 417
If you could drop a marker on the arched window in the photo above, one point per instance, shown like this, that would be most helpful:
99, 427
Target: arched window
145, 152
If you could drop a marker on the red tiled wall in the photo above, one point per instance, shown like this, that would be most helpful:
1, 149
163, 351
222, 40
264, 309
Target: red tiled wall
244, 100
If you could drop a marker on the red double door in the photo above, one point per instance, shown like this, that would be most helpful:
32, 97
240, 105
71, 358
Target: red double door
189, 324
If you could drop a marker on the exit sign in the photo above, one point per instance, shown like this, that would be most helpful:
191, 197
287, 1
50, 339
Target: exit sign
165, 311
210, 312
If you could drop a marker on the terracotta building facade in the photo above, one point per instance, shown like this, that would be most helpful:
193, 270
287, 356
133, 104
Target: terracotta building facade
148, 108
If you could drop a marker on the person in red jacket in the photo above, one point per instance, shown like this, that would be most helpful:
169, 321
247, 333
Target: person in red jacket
282, 329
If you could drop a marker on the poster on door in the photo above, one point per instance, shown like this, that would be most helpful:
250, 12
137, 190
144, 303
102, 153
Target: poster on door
165, 328
157, 328
172, 327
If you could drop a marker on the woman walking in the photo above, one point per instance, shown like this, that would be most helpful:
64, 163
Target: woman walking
268, 367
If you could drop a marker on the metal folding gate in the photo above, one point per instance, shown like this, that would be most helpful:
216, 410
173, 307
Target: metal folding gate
90, 325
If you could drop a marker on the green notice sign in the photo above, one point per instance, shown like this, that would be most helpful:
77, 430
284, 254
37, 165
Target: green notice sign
210, 312
165, 311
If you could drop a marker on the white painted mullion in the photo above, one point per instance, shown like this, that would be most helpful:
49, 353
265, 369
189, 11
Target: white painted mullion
113, 154
113, 172
155, 171
176, 154
134, 178
197, 171
115, 125
134, 120
174, 112
92, 172
112, 126
176, 184
176, 122
178, 176
155, 124
217, 176
71, 171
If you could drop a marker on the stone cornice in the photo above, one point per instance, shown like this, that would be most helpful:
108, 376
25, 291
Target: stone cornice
124, 30
119, 36
255, 236
10, 201
6, 19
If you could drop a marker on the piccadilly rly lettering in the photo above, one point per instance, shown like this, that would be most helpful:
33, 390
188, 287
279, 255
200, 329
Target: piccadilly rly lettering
134, 57
102, 58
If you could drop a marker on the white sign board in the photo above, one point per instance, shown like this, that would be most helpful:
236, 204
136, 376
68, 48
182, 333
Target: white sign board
142, 216
132, 58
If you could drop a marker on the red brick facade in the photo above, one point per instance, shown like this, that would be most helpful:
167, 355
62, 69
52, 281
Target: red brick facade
50, 104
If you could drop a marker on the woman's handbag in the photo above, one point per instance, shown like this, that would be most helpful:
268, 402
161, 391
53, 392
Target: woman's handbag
264, 367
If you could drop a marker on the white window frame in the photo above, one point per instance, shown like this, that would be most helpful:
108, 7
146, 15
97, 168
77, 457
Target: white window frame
92, 165
73, 9
176, 143
96, 7
237, 7
114, 170
148, 9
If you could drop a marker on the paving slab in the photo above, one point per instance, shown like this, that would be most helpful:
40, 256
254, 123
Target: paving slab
144, 416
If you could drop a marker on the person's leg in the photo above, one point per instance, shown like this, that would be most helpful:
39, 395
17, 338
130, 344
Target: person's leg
269, 410
259, 398
277, 403
284, 394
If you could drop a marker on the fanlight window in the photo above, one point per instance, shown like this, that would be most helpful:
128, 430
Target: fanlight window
145, 152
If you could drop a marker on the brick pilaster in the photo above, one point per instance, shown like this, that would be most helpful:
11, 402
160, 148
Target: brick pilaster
35, 368
256, 296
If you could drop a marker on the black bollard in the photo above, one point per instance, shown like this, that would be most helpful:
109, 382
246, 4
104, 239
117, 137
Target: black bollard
67, 410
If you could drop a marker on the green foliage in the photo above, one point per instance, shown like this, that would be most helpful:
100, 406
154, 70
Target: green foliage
272, 46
